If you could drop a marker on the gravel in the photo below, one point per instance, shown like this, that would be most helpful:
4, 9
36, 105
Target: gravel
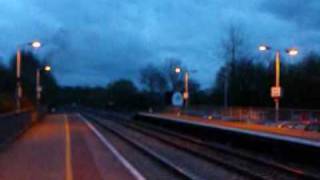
188, 162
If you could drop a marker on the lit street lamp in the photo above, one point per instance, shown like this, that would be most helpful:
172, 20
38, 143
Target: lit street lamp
276, 90
186, 85
178, 70
46, 68
292, 51
34, 44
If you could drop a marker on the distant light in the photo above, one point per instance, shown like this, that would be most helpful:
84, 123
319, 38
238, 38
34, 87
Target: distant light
264, 48
292, 51
178, 70
36, 44
47, 68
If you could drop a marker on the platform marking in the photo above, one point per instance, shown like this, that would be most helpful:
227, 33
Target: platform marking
114, 151
69, 175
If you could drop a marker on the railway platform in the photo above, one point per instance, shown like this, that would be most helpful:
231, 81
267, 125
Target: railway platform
297, 145
63, 146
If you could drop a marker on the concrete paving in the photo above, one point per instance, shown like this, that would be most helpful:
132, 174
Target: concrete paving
60, 147
313, 137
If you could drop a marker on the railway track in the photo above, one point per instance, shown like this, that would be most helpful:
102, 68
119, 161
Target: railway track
160, 160
245, 165
281, 168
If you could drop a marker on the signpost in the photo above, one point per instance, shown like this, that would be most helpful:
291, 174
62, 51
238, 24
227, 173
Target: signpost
177, 99
276, 93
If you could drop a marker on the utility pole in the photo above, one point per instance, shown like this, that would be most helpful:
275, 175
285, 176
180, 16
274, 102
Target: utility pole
226, 88
277, 84
186, 89
34, 44
38, 87
46, 68
276, 91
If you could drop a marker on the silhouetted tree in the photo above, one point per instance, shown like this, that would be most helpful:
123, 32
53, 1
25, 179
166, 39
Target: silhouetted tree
122, 93
250, 84
153, 79
232, 50
175, 81
7, 89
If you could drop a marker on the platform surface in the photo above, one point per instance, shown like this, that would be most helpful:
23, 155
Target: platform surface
299, 136
62, 146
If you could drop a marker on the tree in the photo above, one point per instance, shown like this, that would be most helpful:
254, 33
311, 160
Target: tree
249, 86
232, 46
175, 81
301, 82
153, 79
122, 93
7, 89
233, 43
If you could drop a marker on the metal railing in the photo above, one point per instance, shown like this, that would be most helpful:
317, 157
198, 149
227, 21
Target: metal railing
252, 114
13, 124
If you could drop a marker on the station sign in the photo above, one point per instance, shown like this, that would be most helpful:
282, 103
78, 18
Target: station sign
276, 92
177, 99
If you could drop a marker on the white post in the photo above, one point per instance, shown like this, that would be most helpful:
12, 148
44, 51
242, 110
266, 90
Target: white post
38, 87
277, 76
226, 88
186, 89
18, 76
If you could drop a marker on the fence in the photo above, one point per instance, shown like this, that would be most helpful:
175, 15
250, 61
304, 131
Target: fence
253, 115
13, 124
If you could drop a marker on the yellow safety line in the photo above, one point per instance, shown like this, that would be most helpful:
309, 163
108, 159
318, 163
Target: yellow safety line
69, 175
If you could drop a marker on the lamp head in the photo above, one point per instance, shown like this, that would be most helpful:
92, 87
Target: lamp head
264, 48
47, 68
36, 44
178, 70
292, 51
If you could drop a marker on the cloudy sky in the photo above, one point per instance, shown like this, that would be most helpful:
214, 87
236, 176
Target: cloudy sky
91, 42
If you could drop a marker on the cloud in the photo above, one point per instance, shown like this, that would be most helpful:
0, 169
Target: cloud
302, 18
95, 42
304, 13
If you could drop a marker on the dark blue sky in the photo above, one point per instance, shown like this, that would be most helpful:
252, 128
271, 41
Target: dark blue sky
93, 42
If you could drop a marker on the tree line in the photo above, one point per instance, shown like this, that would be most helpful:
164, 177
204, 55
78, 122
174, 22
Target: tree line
157, 82
250, 82
243, 80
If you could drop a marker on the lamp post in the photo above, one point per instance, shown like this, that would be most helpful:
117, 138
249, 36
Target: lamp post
46, 68
276, 91
186, 85
35, 45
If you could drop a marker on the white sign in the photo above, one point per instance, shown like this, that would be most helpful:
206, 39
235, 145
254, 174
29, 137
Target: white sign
39, 89
276, 92
186, 95
177, 99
